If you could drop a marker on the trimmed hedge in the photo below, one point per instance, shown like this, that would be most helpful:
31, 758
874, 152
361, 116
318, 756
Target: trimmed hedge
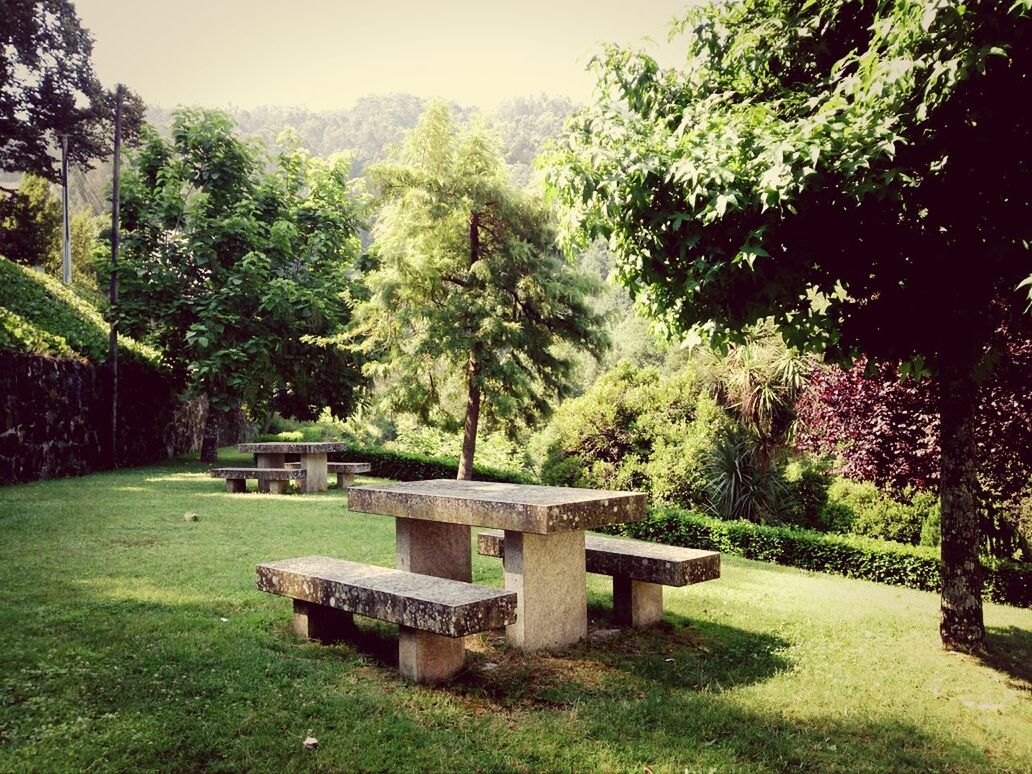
407, 466
48, 306
915, 567
19, 335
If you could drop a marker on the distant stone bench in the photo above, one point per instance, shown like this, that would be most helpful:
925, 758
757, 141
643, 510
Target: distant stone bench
276, 478
639, 569
433, 614
346, 471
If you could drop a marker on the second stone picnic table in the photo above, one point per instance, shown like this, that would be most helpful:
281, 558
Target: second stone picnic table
543, 550
312, 454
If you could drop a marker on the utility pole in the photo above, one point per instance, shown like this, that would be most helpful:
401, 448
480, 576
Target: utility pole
66, 252
113, 289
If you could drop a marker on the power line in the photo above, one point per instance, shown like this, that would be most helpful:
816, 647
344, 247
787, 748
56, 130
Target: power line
86, 193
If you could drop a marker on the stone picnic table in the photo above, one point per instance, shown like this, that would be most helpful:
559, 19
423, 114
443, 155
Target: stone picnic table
312, 454
543, 552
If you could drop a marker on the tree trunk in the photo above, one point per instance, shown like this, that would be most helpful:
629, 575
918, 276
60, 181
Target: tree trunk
210, 442
469, 433
960, 627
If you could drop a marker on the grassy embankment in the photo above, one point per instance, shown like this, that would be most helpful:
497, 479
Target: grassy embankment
131, 639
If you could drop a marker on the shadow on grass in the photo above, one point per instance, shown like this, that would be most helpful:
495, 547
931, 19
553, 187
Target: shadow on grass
705, 657
1009, 650
707, 732
620, 663
661, 694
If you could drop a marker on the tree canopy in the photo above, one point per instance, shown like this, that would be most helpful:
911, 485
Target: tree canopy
471, 297
733, 190
854, 171
242, 267
30, 223
48, 89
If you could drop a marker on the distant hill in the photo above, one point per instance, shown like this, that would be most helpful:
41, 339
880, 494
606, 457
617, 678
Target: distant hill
368, 128
378, 121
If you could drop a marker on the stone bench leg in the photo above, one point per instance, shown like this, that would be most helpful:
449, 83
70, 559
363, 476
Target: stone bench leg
236, 485
636, 603
321, 623
277, 487
344, 480
425, 657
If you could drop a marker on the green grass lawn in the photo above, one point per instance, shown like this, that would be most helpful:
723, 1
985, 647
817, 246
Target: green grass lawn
132, 639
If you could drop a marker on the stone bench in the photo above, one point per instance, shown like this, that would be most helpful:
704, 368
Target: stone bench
346, 472
639, 569
276, 478
434, 614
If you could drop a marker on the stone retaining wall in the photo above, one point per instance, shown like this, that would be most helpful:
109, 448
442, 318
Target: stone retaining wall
55, 418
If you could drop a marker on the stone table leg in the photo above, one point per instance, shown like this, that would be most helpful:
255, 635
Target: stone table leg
315, 472
636, 603
548, 575
434, 548
268, 461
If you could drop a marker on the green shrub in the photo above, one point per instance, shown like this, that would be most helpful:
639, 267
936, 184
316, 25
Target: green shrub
860, 508
494, 449
931, 523
856, 557
854, 495
309, 433
807, 500
634, 429
51, 307
408, 466
931, 529
677, 472
559, 469
738, 486
287, 436
889, 520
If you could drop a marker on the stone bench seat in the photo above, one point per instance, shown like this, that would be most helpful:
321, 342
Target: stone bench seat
277, 478
433, 614
346, 471
639, 570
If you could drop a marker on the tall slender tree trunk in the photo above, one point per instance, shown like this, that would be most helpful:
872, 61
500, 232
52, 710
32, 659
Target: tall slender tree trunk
961, 626
210, 441
469, 431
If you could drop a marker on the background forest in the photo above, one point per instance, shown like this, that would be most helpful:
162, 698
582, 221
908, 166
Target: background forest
760, 432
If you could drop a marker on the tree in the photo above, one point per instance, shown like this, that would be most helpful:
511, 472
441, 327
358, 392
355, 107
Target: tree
30, 223
885, 429
470, 288
241, 268
48, 90
854, 171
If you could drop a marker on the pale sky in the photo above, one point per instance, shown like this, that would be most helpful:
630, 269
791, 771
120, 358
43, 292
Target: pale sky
323, 55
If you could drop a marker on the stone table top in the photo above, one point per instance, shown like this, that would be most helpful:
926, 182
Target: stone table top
300, 447
517, 507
